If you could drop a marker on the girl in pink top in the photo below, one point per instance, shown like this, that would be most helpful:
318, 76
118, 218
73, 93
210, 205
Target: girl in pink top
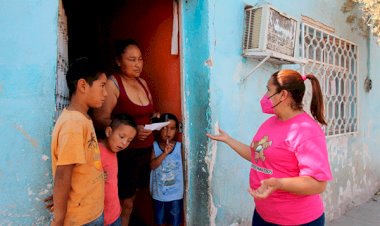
290, 166
119, 135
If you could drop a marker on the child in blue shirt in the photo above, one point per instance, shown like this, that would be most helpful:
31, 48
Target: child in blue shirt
166, 178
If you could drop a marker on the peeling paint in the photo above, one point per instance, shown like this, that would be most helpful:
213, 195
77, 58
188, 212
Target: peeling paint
195, 82
210, 161
209, 63
30, 192
43, 192
242, 222
353, 181
355, 18
45, 157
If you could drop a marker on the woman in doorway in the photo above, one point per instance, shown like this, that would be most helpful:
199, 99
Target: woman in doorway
289, 158
128, 93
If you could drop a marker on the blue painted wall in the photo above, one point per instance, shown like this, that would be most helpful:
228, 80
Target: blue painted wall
213, 95
234, 106
28, 50
195, 96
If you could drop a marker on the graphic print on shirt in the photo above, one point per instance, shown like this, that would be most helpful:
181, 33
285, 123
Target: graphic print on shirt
93, 147
92, 142
168, 177
260, 147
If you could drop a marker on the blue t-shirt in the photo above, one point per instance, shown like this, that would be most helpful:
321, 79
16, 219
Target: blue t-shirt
166, 181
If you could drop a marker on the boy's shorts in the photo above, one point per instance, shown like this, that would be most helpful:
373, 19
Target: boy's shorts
117, 222
134, 170
168, 212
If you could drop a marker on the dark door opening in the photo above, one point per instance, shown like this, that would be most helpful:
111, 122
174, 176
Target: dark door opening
93, 25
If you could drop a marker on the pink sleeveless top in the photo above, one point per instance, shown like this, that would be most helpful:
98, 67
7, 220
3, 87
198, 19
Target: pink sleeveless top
141, 114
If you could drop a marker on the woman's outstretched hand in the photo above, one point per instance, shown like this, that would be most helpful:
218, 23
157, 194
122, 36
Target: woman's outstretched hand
221, 136
242, 149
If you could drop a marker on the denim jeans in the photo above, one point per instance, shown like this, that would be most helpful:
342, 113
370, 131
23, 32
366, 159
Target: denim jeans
258, 221
97, 222
168, 212
117, 222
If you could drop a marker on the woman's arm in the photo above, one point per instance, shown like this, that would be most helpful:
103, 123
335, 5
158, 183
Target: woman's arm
102, 115
242, 149
303, 185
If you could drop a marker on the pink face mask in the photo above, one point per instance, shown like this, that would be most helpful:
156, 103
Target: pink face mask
267, 105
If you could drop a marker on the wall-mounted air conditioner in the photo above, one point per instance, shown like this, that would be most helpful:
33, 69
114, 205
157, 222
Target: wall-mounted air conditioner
271, 35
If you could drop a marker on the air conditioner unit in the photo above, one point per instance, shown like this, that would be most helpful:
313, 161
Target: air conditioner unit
270, 34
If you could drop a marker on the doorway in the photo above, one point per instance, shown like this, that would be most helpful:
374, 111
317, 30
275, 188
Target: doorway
92, 28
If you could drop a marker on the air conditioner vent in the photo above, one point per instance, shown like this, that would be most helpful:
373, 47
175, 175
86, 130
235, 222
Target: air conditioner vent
268, 32
252, 23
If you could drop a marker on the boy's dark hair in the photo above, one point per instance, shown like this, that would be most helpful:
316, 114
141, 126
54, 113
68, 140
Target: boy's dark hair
82, 68
166, 117
123, 119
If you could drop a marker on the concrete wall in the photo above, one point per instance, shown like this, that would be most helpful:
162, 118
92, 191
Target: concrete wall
28, 53
234, 106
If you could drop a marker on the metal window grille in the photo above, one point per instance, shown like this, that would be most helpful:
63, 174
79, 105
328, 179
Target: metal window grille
334, 62
61, 90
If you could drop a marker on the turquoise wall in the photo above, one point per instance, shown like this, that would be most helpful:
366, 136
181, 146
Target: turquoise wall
234, 106
28, 53
213, 96
195, 96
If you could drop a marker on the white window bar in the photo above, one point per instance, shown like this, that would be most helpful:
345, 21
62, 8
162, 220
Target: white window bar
333, 61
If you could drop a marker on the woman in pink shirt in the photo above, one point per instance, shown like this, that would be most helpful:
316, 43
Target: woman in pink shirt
290, 166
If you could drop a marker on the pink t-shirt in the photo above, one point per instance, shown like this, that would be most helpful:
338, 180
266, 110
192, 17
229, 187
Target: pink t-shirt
112, 207
291, 148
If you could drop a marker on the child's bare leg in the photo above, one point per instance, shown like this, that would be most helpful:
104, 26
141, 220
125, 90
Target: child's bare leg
127, 207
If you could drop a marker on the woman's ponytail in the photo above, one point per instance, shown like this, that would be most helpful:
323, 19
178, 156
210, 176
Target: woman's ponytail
316, 106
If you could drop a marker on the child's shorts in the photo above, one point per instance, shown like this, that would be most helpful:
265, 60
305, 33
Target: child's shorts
117, 222
168, 212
